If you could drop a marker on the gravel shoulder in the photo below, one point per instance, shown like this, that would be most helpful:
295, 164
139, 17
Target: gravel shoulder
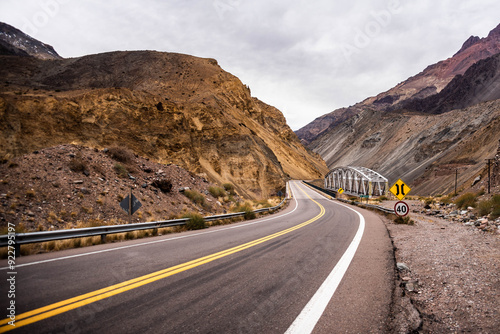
453, 273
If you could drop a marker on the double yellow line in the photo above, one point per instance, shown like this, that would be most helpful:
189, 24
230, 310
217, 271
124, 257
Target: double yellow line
91, 297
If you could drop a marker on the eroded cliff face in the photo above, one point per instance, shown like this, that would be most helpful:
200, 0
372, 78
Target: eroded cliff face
172, 108
424, 150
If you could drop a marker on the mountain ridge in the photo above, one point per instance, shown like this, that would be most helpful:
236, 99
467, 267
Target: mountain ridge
426, 138
430, 81
169, 107
14, 42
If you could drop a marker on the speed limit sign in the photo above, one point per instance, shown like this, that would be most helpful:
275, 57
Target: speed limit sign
401, 209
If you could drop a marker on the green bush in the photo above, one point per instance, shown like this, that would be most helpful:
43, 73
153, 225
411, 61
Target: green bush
249, 215
490, 207
495, 207
239, 207
495, 213
195, 197
120, 170
484, 208
217, 192
466, 200
229, 188
195, 222
429, 201
404, 220
446, 199
264, 203
246, 208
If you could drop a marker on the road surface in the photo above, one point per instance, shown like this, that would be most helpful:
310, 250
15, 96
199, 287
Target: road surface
318, 266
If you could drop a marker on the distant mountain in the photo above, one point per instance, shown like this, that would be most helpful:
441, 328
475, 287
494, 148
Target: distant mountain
429, 82
14, 42
443, 120
169, 107
480, 83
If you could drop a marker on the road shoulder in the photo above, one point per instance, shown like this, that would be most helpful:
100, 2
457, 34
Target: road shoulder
363, 299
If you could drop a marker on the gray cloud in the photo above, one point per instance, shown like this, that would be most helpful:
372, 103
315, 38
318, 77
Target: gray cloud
305, 58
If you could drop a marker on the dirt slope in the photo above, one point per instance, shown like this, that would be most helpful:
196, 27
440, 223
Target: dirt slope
66, 185
172, 108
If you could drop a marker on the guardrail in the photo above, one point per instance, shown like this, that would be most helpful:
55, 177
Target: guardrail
326, 191
44, 236
370, 206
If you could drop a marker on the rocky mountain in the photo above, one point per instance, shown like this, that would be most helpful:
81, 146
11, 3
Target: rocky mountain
429, 82
424, 150
14, 42
443, 121
171, 108
480, 83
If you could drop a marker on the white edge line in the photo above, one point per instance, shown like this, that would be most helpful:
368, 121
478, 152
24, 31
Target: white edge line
153, 242
311, 313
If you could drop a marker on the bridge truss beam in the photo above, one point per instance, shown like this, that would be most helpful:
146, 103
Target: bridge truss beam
357, 181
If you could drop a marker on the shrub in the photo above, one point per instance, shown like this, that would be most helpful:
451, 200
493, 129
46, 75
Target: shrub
229, 188
484, 208
495, 207
120, 170
217, 192
404, 220
264, 203
495, 213
195, 197
466, 200
195, 222
428, 201
249, 214
120, 154
246, 208
446, 199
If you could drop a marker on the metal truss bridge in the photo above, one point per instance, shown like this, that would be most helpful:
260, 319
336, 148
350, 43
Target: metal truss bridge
357, 181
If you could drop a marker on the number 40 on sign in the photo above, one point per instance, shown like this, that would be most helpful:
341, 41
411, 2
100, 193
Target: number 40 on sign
401, 209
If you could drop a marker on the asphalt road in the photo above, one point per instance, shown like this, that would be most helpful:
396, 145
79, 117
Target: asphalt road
259, 276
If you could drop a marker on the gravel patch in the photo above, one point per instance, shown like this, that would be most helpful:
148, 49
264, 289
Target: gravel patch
452, 273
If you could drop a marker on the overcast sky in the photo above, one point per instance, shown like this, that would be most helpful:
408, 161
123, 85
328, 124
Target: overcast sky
304, 57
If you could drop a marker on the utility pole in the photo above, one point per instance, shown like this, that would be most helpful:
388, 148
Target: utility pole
456, 177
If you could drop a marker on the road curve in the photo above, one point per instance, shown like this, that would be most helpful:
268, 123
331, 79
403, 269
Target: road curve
257, 276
